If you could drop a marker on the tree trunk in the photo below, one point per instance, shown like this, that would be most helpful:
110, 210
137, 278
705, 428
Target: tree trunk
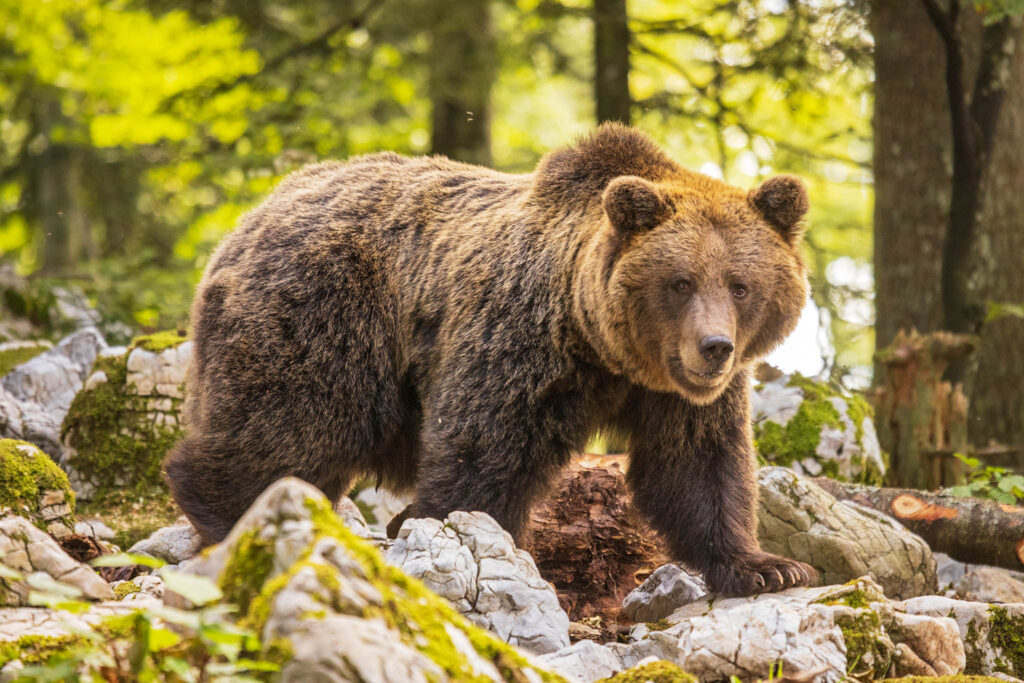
967, 529
913, 176
587, 540
462, 71
611, 58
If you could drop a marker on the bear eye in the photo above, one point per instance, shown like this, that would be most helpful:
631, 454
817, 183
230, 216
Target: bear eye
739, 291
682, 285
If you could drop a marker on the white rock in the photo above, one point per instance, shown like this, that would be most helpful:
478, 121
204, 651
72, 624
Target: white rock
382, 505
584, 662
470, 560
173, 543
26, 549
94, 528
664, 591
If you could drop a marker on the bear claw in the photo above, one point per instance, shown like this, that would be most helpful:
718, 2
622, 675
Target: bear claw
758, 573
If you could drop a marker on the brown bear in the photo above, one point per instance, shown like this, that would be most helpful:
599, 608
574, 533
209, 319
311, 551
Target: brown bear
459, 332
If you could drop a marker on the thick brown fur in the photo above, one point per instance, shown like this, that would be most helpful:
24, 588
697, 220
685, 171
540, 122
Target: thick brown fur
458, 332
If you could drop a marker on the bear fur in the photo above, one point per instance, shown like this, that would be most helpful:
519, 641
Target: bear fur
459, 332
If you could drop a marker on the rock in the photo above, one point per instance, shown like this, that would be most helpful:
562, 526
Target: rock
992, 635
842, 540
347, 509
36, 395
990, 584
14, 353
379, 507
172, 544
667, 589
33, 487
27, 550
95, 529
121, 425
327, 606
584, 662
813, 429
474, 563
143, 587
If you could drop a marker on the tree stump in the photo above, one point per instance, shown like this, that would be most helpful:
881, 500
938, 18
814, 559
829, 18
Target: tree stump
587, 540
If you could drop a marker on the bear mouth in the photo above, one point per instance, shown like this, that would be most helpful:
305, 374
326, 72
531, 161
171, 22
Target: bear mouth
694, 382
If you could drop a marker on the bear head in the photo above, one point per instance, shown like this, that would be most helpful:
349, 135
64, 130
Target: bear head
700, 279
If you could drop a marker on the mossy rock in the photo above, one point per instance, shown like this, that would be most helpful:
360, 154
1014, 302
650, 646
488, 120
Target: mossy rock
655, 672
13, 354
34, 487
125, 419
816, 429
339, 577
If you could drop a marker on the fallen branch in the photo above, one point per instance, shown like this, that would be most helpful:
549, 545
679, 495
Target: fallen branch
967, 529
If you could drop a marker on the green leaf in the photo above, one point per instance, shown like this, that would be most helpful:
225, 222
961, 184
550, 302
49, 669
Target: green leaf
9, 574
162, 638
127, 560
1002, 496
961, 491
1009, 483
198, 590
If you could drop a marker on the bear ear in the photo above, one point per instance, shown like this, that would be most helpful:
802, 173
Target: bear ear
782, 201
634, 204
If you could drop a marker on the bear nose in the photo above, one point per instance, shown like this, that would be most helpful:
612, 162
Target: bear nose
716, 348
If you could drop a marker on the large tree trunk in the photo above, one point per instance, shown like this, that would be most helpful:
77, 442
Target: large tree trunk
611, 61
462, 71
966, 529
912, 165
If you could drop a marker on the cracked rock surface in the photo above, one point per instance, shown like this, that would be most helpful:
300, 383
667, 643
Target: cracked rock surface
173, 544
27, 550
470, 560
842, 540
668, 588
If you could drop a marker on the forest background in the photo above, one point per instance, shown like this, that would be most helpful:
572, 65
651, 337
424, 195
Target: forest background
134, 133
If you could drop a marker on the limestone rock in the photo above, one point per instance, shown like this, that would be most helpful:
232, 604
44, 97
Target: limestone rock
173, 544
14, 353
379, 507
470, 560
991, 634
35, 396
33, 487
990, 584
808, 426
122, 423
667, 589
27, 550
843, 541
313, 589
94, 528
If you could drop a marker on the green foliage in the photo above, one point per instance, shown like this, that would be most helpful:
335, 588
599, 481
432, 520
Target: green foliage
156, 644
987, 481
655, 672
1003, 310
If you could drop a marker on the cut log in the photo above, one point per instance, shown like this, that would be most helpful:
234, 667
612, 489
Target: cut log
589, 543
967, 529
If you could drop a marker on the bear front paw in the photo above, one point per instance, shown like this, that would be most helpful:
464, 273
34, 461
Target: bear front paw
758, 573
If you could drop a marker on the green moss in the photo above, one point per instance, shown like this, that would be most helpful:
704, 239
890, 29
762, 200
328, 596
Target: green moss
799, 438
124, 589
1007, 634
12, 358
865, 651
115, 448
975, 656
247, 570
38, 649
655, 672
159, 341
25, 473
961, 678
659, 625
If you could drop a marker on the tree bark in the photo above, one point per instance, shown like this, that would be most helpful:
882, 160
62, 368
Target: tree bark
462, 71
611, 60
916, 197
588, 542
967, 529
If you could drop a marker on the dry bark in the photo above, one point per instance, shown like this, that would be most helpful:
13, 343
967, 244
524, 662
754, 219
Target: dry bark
967, 529
589, 543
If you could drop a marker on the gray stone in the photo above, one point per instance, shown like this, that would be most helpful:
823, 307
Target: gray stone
843, 541
382, 506
172, 544
984, 630
470, 560
27, 550
664, 591
94, 528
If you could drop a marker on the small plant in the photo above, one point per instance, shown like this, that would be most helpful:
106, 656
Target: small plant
995, 483
149, 644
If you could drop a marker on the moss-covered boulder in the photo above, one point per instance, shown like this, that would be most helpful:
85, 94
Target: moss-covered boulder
34, 487
654, 672
327, 607
14, 353
816, 430
127, 416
